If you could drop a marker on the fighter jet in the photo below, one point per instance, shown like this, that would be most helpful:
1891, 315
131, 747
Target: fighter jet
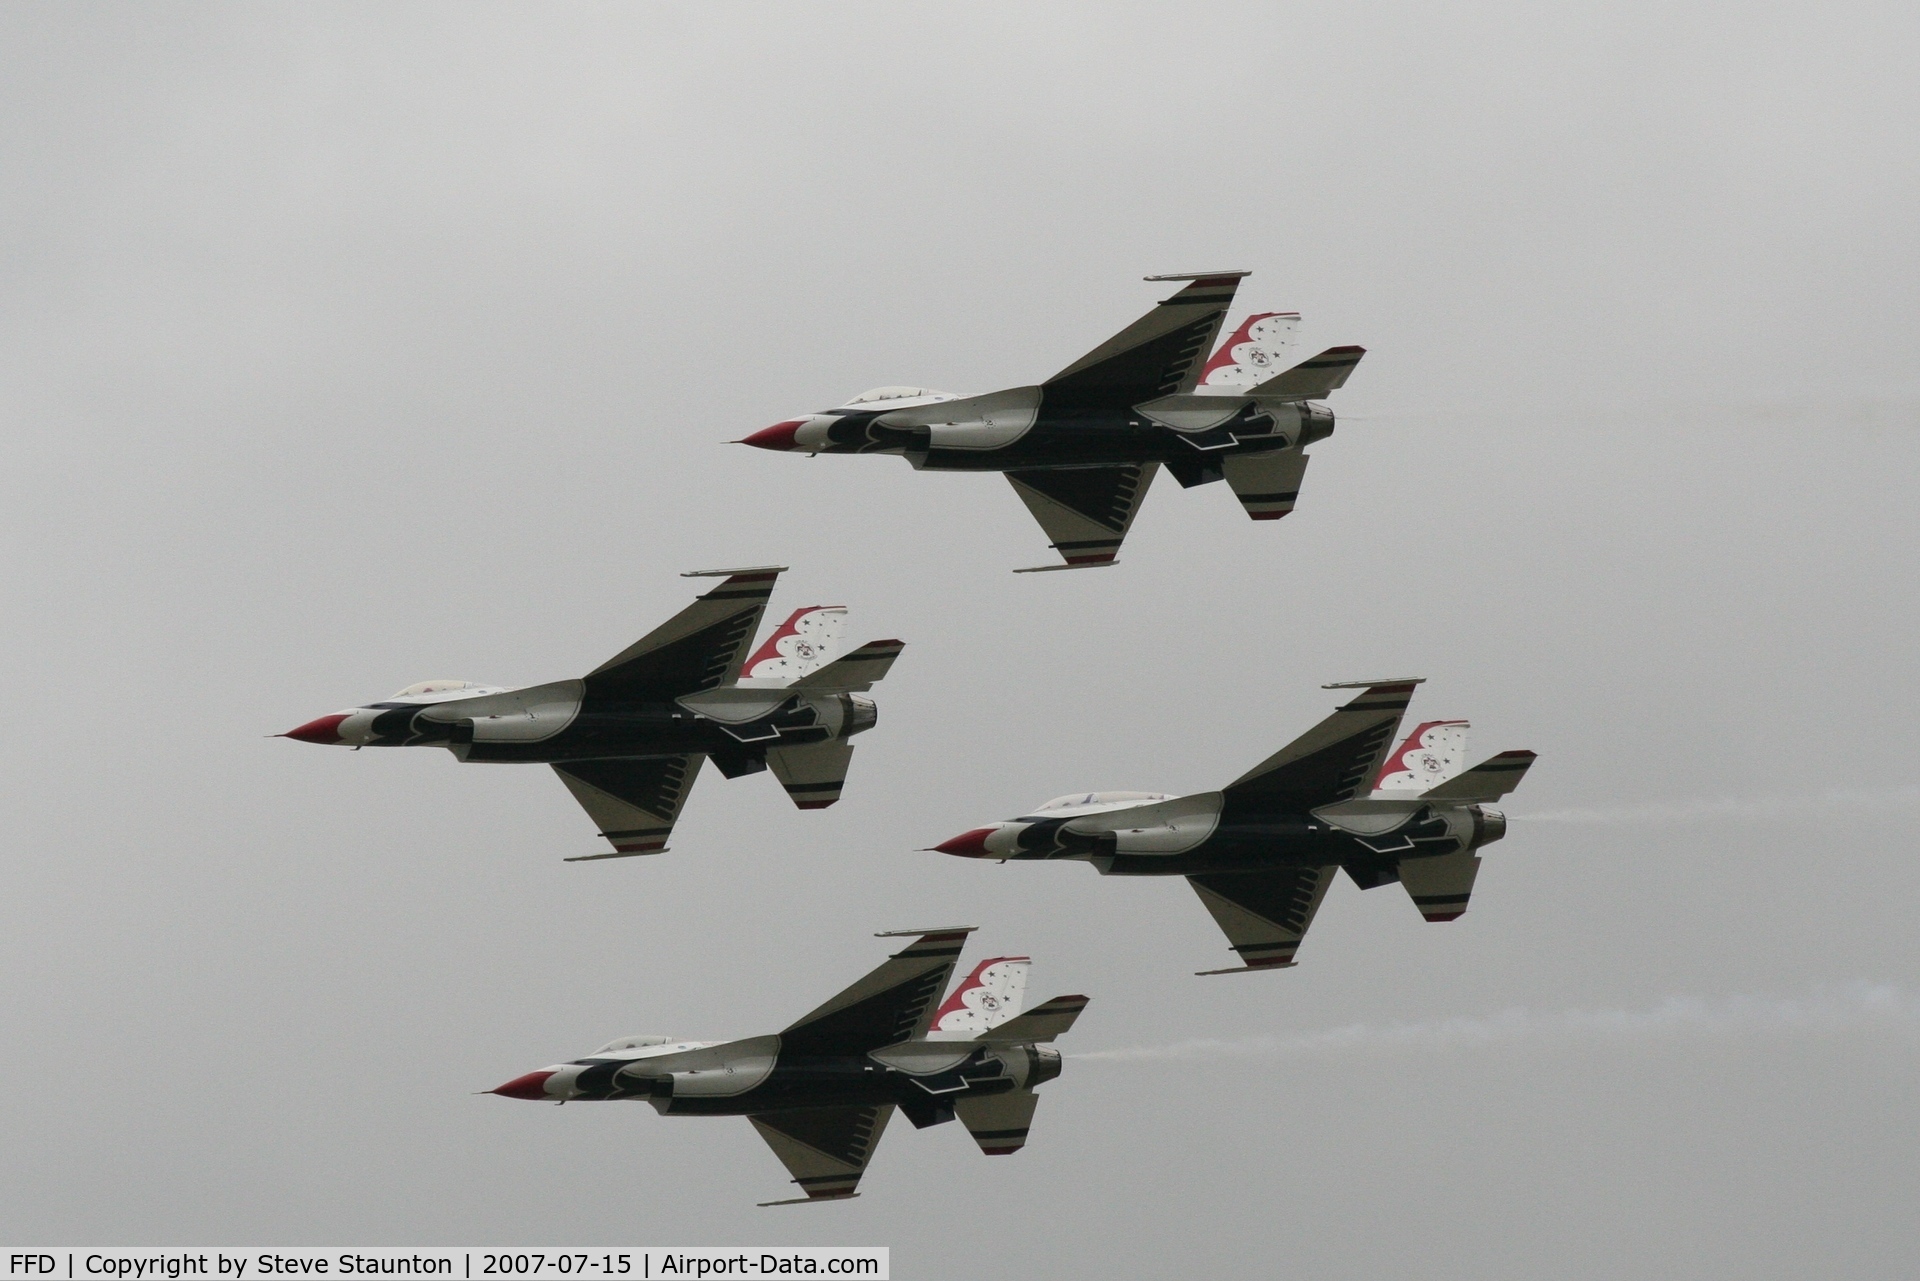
628, 738
822, 1091
1082, 447
1262, 851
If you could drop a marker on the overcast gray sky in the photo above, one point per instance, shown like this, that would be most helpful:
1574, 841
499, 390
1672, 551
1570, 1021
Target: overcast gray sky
351, 345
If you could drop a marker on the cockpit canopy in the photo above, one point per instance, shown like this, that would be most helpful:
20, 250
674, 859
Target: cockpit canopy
429, 690
634, 1043
1081, 800
900, 393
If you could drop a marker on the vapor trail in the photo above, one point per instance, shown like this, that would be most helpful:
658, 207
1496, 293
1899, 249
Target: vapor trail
1880, 1005
1834, 800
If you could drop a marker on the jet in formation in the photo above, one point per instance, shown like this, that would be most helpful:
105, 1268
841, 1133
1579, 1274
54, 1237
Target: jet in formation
1262, 851
821, 1091
628, 738
1082, 447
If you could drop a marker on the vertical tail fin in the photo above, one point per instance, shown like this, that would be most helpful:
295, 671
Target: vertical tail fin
1255, 352
802, 644
988, 997
1432, 754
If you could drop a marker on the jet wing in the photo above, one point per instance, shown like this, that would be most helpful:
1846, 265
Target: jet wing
701, 647
634, 802
1160, 354
825, 1149
1334, 761
1264, 914
894, 1003
1086, 511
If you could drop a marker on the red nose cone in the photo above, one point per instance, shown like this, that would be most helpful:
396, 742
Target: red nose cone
324, 730
531, 1086
778, 436
968, 844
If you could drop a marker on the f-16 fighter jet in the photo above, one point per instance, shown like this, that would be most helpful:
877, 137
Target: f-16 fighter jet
1262, 851
822, 1091
628, 737
1082, 447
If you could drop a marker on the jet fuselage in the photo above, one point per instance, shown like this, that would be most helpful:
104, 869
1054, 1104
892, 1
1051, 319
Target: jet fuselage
561, 722
741, 1078
1191, 835
1032, 427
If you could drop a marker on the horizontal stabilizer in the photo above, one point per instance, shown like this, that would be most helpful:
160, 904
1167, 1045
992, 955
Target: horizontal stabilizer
1042, 1023
856, 671
1440, 887
998, 1122
1312, 379
1488, 781
813, 775
1267, 485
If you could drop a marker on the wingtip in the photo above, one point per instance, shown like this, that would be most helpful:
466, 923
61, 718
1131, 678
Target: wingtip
1047, 569
1385, 680
728, 573
1201, 275
811, 1200
596, 858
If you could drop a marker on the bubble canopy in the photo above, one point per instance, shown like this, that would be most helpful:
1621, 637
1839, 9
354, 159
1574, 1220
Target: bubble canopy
1079, 800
